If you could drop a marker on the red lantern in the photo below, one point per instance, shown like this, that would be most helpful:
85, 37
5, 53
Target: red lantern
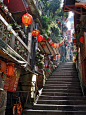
74, 35
54, 57
39, 38
58, 21
27, 19
9, 69
43, 39
61, 24
48, 39
81, 39
35, 33
54, 45
51, 43
51, 62
43, 45
58, 55
57, 45
60, 43
2, 66
74, 41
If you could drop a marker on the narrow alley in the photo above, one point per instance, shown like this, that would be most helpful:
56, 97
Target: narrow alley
61, 95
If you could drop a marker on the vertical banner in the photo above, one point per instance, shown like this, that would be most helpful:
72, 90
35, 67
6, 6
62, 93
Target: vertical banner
68, 35
13, 83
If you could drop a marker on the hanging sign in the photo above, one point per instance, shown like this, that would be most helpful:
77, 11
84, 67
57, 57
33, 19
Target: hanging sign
6, 84
13, 84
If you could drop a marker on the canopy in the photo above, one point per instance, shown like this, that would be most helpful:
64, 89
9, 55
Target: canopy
16, 5
48, 49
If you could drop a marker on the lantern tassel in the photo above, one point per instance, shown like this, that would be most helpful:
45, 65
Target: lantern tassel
25, 29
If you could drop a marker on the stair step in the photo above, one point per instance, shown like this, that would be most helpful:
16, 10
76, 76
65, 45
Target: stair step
62, 97
52, 86
61, 94
65, 74
65, 70
62, 82
62, 90
64, 85
62, 102
53, 112
63, 79
68, 72
59, 107
62, 76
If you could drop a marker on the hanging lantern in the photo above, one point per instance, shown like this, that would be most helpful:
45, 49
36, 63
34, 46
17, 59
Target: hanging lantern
51, 62
45, 66
55, 57
57, 45
74, 35
39, 38
43, 45
2, 66
48, 39
58, 21
43, 39
81, 39
27, 19
60, 43
35, 33
54, 45
74, 41
58, 55
9, 69
61, 24
51, 43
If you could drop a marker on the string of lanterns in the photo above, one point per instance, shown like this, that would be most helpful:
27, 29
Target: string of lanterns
81, 39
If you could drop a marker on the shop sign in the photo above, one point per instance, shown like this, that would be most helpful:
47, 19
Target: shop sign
11, 83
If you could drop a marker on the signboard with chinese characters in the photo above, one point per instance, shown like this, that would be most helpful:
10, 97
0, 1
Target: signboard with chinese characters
11, 83
68, 35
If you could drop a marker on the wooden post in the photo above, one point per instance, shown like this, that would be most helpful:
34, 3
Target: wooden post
12, 41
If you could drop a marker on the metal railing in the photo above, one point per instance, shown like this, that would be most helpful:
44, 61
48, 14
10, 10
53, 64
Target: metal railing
14, 41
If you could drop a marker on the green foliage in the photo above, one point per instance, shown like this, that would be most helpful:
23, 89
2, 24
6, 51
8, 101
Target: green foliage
52, 10
46, 22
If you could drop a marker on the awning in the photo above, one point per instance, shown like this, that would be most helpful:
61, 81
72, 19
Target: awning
80, 4
12, 54
48, 49
68, 5
16, 5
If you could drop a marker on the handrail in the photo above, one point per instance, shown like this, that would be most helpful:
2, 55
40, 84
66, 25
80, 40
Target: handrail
24, 51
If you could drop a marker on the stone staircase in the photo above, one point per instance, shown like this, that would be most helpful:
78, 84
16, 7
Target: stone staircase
61, 94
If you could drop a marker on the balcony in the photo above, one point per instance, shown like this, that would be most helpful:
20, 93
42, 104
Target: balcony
12, 44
